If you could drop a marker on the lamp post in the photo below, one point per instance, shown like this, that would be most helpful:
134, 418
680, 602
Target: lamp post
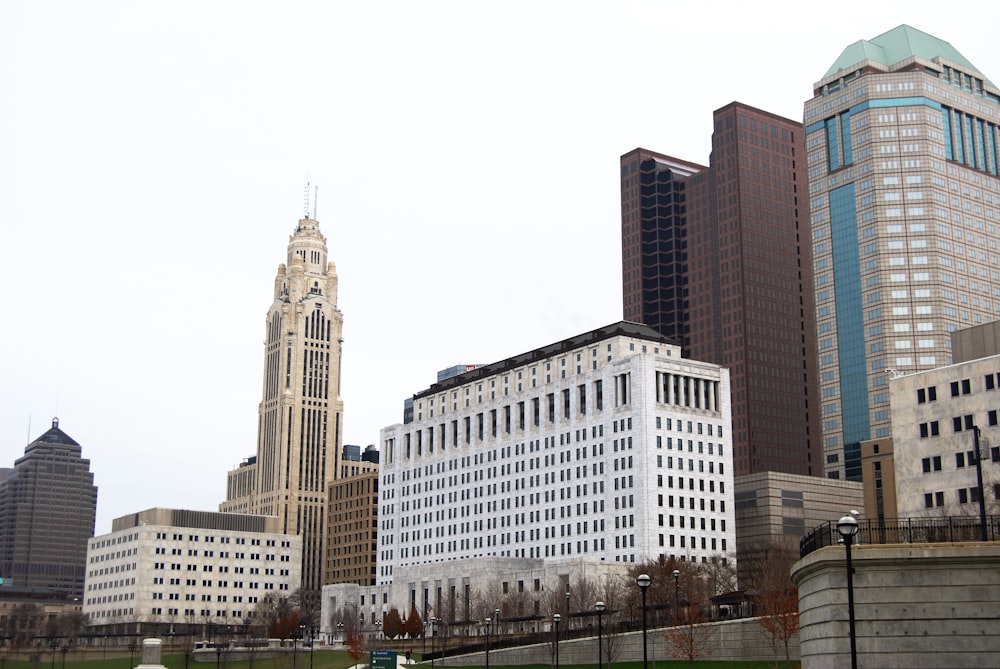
53, 645
64, 650
847, 527
218, 657
555, 619
643, 582
131, 650
599, 607
567, 608
677, 601
979, 482
496, 625
312, 644
433, 624
340, 631
444, 641
486, 626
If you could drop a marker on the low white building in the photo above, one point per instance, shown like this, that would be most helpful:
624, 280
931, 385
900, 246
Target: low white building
607, 448
935, 415
178, 566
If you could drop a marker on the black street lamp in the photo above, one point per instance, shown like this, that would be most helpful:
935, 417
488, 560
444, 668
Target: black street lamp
53, 644
218, 657
444, 639
486, 625
496, 625
567, 609
599, 607
433, 623
555, 619
677, 601
643, 582
979, 482
847, 527
131, 650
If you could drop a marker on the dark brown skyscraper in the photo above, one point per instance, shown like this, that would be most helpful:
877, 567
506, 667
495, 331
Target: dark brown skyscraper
48, 502
719, 258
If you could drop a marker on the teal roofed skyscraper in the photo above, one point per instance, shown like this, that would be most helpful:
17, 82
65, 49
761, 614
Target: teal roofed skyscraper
903, 158
897, 46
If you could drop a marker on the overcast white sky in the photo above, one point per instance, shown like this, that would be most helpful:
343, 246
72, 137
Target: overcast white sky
152, 163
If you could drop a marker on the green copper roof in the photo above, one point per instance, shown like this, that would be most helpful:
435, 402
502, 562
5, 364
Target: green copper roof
896, 46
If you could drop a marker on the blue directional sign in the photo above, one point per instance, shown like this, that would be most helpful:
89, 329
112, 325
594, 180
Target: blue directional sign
382, 659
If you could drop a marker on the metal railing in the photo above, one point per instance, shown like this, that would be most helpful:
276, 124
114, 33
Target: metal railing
944, 530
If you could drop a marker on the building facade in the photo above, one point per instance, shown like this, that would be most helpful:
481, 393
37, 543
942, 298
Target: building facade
607, 446
902, 141
351, 538
936, 415
878, 477
718, 258
300, 423
48, 503
194, 567
774, 510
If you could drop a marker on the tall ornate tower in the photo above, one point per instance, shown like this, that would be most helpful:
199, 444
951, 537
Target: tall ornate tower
300, 422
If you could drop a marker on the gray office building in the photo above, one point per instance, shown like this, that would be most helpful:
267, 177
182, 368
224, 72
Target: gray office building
48, 502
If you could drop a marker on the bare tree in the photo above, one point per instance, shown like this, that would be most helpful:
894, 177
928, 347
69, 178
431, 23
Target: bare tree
486, 600
613, 594
776, 598
308, 604
690, 639
519, 604
71, 625
23, 624
583, 594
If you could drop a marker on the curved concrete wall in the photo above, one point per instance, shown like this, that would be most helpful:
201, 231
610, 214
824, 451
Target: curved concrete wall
916, 606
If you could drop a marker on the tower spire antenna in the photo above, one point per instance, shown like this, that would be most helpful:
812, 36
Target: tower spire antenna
315, 200
305, 201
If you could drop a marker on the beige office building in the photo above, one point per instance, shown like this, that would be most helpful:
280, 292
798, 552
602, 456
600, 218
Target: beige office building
175, 566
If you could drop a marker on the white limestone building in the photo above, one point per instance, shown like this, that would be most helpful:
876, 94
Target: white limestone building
934, 417
605, 448
178, 566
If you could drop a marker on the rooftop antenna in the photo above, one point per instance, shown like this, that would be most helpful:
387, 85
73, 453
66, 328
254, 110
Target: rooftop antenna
305, 201
315, 199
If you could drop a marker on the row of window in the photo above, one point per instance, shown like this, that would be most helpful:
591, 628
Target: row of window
190, 613
962, 459
963, 495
